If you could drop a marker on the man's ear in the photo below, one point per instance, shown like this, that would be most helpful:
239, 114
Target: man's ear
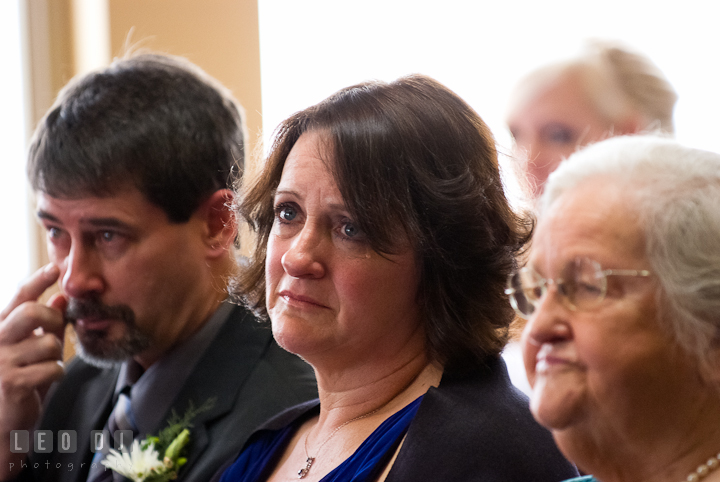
220, 222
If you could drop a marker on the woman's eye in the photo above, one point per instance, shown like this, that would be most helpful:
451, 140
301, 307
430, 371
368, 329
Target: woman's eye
287, 213
559, 134
350, 230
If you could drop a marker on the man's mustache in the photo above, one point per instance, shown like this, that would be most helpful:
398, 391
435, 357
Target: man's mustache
78, 309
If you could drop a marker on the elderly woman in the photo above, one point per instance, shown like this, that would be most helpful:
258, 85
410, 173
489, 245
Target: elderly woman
622, 292
608, 90
384, 242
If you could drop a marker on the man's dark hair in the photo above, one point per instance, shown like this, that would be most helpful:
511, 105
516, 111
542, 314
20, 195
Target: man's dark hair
413, 161
153, 122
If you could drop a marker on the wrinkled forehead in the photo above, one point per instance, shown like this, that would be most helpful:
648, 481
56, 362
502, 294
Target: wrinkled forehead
118, 188
313, 151
127, 202
596, 219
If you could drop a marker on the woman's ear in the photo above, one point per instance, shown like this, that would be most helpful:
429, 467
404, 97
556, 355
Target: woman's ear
632, 124
220, 222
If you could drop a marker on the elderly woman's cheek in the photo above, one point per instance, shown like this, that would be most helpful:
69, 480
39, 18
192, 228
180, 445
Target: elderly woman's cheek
558, 397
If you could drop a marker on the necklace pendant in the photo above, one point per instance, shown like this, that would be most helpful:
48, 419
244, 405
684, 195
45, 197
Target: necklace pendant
304, 471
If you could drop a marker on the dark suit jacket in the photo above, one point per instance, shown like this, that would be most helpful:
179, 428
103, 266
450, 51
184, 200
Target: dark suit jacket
250, 376
472, 428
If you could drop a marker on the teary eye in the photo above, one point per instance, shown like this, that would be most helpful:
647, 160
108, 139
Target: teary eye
350, 230
287, 213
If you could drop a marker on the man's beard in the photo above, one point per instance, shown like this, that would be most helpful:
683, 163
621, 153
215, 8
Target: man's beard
93, 345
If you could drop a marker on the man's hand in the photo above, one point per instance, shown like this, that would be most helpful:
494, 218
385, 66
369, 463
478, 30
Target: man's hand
31, 336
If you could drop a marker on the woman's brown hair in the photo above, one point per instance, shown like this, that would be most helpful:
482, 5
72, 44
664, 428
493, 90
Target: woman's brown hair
412, 157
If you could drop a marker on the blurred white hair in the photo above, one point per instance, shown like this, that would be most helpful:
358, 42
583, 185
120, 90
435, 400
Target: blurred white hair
620, 82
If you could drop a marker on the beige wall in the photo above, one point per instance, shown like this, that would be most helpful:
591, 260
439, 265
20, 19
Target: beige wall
221, 36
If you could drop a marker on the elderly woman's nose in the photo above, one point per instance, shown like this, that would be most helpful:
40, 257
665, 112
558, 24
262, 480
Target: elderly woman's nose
303, 259
550, 321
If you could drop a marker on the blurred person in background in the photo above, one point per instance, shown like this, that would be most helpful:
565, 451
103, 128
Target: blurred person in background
622, 292
606, 91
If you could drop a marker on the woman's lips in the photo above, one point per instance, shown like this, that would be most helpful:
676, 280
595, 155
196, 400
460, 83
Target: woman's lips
546, 359
298, 300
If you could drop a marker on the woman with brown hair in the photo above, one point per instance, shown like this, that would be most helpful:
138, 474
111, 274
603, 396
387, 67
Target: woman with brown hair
384, 241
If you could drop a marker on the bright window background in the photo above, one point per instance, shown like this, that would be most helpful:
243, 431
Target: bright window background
479, 48
311, 48
14, 216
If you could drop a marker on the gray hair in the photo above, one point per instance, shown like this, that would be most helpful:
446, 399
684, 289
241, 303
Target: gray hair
676, 192
640, 81
620, 83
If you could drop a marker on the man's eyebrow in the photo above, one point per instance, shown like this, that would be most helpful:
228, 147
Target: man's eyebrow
96, 222
107, 223
47, 216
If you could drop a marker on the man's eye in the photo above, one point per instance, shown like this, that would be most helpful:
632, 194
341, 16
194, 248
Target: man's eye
53, 232
107, 236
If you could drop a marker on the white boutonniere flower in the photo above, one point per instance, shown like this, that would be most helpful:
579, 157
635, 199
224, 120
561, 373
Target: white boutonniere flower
143, 462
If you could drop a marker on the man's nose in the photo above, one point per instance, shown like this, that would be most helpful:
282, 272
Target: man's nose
82, 276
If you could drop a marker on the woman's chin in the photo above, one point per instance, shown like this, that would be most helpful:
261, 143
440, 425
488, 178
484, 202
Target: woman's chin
295, 337
556, 407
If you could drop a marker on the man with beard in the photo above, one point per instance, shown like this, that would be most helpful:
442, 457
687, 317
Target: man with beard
133, 168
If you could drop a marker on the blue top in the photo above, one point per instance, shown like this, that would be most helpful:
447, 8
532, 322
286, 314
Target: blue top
257, 461
585, 478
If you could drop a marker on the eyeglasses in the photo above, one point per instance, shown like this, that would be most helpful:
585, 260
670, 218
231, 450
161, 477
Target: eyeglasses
582, 286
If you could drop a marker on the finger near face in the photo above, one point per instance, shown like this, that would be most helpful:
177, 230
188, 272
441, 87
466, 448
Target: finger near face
26, 318
18, 382
33, 288
36, 349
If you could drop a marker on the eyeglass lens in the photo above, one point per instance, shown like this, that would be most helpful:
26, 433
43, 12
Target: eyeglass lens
582, 283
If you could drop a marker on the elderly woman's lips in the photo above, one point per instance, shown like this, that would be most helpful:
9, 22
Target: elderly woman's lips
547, 359
548, 362
295, 299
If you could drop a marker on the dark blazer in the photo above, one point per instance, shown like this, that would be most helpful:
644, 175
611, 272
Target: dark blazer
250, 376
472, 428
479, 428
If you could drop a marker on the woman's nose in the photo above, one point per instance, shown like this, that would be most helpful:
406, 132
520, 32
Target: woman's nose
305, 255
550, 321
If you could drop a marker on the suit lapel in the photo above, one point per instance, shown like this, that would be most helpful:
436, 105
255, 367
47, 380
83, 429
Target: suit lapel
219, 374
89, 412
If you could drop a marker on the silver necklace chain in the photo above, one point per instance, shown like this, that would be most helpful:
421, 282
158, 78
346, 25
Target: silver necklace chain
309, 460
302, 473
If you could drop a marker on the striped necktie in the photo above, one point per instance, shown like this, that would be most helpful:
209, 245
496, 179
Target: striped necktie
120, 425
